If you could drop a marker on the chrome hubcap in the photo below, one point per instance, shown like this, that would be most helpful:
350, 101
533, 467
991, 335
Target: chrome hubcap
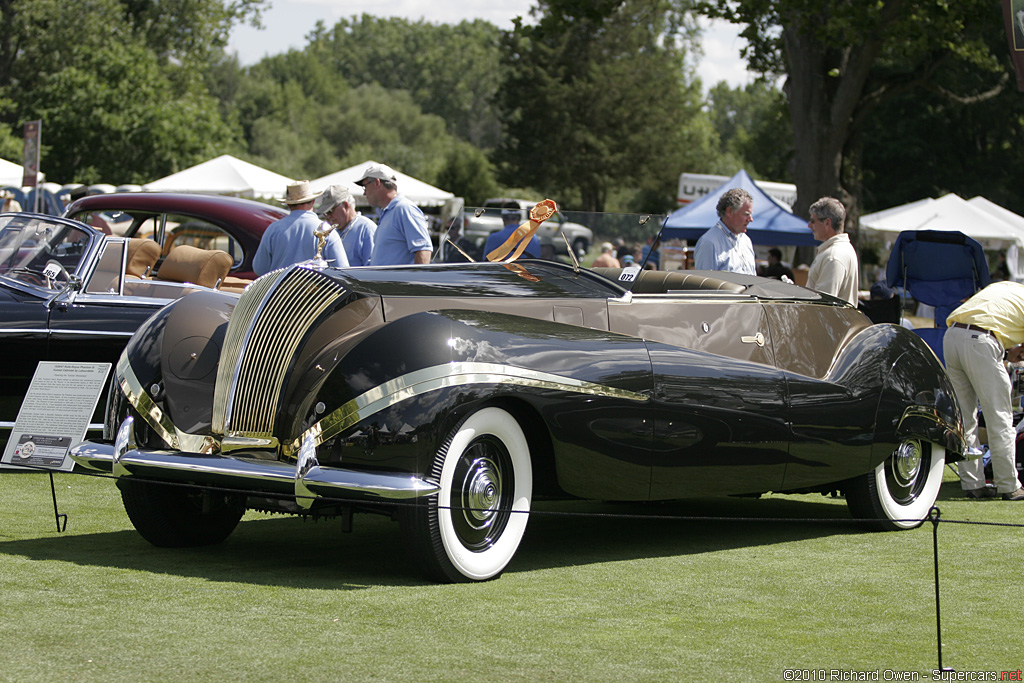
907, 462
482, 492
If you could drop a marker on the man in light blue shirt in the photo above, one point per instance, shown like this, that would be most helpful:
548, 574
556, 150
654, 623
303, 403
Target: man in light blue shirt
292, 240
337, 206
726, 246
511, 217
402, 236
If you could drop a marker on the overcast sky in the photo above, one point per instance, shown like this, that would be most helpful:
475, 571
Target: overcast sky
288, 22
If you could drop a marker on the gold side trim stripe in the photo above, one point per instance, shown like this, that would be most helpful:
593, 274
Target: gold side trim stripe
440, 376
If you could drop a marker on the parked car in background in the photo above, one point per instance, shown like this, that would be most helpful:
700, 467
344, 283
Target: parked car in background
477, 228
230, 224
71, 291
453, 395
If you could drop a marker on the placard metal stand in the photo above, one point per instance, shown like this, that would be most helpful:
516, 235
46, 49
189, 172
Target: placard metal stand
53, 417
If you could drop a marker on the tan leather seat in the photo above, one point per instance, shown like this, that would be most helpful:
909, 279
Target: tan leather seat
198, 266
234, 284
142, 256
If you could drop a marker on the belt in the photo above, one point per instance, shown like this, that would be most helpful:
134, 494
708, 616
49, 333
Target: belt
976, 329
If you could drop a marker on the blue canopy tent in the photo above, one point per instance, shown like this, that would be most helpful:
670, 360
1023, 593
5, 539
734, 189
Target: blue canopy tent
772, 224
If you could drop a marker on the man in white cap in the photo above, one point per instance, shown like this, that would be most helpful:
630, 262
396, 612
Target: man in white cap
337, 206
292, 239
402, 236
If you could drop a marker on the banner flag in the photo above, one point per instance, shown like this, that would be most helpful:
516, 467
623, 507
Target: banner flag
33, 130
1013, 18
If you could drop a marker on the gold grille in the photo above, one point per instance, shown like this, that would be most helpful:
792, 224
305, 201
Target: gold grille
271, 318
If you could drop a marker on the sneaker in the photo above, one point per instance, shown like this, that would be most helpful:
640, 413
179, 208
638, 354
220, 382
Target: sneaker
983, 492
1016, 495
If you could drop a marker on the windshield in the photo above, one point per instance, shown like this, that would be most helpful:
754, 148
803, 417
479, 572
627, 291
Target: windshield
38, 252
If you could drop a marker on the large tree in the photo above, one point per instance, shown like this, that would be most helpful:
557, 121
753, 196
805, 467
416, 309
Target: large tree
842, 58
600, 95
116, 83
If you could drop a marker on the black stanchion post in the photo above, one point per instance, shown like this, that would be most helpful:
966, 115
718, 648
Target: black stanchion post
933, 517
57, 515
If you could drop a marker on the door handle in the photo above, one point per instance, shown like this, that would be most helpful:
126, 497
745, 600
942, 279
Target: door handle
756, 339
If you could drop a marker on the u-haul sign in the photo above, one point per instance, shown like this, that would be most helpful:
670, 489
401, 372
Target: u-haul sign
693, 186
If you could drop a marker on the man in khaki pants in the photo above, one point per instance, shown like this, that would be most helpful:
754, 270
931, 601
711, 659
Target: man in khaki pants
980, 330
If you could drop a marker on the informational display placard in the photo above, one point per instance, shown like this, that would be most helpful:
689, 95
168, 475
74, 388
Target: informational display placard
54, 415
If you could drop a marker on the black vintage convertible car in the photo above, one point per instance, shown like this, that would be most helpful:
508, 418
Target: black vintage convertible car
76, 290
463, 392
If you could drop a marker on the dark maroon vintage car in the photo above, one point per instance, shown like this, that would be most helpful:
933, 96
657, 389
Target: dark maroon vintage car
229, 224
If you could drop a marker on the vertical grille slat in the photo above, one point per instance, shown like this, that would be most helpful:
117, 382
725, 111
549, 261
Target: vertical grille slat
269, 322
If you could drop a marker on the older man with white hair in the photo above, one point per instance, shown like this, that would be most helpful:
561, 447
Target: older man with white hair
337, 206
402, 234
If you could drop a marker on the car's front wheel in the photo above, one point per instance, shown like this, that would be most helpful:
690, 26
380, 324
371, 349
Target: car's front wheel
899, 492
179, 516
472, 528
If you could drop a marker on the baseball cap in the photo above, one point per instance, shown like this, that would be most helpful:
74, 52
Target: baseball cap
332, 197
378, 171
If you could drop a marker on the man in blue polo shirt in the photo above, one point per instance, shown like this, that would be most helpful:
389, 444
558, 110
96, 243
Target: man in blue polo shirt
338, 207
292, 239
402, 236
511, 217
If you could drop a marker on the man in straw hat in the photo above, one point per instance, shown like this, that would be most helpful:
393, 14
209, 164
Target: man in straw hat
337, 206
402, 235
292, 239
10, 202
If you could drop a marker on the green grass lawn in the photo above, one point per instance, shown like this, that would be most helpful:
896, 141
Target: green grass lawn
588, 598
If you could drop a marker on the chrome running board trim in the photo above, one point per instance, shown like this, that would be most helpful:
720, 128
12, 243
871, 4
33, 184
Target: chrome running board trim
257, 476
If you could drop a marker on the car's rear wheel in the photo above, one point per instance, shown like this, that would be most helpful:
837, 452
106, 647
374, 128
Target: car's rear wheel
472, 528
899, 492
580, 246
179, 516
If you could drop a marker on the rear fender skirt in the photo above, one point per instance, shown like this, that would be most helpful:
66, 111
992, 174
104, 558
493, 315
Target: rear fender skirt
918, 401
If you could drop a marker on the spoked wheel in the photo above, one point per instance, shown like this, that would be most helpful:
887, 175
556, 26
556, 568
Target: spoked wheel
472, 528
899, 492
178, 516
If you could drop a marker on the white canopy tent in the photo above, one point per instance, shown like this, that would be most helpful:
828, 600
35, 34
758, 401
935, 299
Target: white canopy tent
949, 212
417, 191
11, 173
1015, 254
224, 175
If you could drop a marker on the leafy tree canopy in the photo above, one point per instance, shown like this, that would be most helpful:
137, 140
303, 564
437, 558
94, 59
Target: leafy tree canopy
597, 97
115, 83
451, 71
842, 59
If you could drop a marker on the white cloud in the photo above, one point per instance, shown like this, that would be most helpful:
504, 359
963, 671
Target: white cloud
722, 62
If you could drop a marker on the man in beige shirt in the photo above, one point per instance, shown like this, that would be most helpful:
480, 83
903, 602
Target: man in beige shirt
980, 330
835, 270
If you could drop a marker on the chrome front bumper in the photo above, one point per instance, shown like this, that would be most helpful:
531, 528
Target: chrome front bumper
307, 480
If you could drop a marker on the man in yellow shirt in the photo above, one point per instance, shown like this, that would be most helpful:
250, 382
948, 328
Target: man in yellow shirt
980, 330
